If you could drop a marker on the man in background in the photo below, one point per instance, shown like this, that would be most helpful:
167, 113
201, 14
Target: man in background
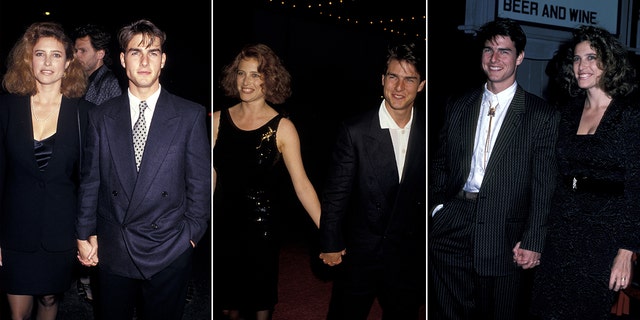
92, 50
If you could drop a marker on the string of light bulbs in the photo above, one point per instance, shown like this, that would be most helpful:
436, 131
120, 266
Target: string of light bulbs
355, 12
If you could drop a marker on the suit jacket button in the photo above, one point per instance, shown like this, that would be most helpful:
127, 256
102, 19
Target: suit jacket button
154, 226
114, 193
164, 194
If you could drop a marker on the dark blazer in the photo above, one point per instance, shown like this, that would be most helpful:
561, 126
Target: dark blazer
515, 195
38, 208
144, 224
365, 209
103, 86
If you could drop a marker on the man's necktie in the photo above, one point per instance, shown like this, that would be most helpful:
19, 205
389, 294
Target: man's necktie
487, 144
140, 134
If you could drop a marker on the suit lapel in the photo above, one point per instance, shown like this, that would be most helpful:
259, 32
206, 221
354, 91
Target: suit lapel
416, 146
380, 153
66, 131
162, 130
508, 129
118, 131
25, 131
468, 126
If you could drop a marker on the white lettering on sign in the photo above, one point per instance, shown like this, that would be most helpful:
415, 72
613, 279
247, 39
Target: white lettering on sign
562, 13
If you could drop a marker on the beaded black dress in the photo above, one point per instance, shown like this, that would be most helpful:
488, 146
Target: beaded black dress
246, 216
592, 216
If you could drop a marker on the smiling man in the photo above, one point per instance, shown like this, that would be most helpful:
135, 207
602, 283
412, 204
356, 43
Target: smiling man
490, 189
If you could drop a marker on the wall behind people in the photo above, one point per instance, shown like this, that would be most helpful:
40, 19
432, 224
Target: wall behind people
187, 72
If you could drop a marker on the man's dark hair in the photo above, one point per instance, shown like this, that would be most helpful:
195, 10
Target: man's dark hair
413, 53
503, 27
100, 39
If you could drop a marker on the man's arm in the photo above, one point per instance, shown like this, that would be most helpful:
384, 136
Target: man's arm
335, 198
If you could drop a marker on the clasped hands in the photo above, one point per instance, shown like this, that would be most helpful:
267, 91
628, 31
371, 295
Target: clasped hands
332, 258
525, 258
88, 251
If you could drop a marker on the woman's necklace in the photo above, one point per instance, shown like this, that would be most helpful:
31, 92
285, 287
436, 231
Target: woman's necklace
43, 119
35, 101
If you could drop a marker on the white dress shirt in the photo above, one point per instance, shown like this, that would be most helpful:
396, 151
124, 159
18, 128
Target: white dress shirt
399, 136
474, 181
134, 105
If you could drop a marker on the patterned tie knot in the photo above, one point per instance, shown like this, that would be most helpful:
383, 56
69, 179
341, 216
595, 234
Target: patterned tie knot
143, 106
140, 134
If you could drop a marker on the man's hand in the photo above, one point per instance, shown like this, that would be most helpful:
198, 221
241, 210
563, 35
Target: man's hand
525, 258
332, 258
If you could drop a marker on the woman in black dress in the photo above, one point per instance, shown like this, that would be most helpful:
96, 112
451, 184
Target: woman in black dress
593, 227
39, 159
251, 141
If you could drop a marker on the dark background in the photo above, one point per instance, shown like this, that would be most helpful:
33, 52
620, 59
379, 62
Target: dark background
187, 24
335, 56
187, 73
335, 53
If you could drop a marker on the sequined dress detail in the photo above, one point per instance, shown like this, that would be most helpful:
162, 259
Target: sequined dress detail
245, 215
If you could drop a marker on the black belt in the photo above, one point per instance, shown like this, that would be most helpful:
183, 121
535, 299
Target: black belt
466, 195
589, 185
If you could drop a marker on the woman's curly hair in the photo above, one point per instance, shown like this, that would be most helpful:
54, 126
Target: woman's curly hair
20, 79
277, 80
619, 75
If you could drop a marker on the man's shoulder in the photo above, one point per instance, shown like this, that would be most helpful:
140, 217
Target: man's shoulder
464, 98
178, 100
180, 104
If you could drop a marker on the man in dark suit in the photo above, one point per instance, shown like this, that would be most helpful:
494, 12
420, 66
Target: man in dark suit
491, 183
92, 44
373, 203
146, 221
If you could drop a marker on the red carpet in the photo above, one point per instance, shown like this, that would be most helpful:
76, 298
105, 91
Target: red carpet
303, 295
